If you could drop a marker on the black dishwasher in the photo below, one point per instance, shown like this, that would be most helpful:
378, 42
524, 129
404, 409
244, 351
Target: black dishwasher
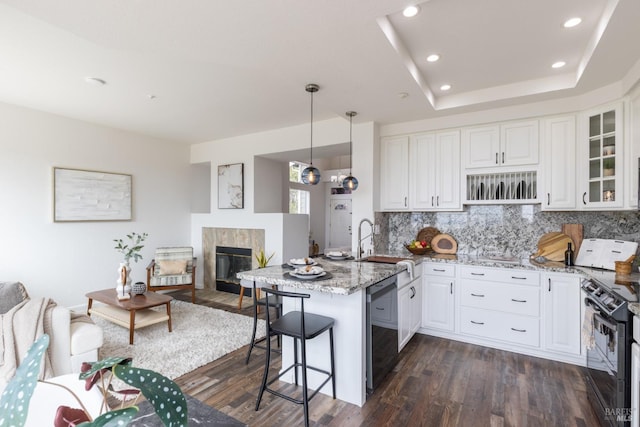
382, 330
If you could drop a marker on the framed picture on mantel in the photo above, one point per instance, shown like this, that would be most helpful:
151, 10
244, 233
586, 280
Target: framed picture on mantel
231, 186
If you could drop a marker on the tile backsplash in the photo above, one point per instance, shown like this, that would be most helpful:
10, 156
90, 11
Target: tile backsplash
511, 230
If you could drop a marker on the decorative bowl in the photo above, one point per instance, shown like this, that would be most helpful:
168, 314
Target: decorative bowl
418, 251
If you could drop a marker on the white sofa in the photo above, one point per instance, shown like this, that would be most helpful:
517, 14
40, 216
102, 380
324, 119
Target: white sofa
81, 344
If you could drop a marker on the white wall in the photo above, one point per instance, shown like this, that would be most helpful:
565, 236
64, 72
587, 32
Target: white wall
242, 149
64, 261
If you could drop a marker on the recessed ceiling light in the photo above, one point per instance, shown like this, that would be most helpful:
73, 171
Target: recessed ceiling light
151, 96
410, 11
445, 87
403, 95
95, 81
558, 64
572, 22
433, 57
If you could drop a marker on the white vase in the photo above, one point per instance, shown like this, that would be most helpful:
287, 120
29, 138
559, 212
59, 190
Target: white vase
124, 278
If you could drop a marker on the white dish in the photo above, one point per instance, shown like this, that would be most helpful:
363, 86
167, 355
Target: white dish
309, 271
301, 261
307, 276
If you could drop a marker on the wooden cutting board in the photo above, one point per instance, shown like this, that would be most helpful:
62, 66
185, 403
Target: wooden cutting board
444, 244
552, 246
575, 231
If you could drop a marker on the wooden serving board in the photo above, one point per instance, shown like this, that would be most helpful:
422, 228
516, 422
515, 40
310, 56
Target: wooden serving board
444, 244
386, 259
553, 245
576, 232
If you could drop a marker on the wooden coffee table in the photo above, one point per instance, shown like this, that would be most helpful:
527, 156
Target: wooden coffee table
133, 313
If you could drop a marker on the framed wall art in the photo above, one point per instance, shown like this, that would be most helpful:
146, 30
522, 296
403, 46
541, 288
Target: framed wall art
231, 186
83, 195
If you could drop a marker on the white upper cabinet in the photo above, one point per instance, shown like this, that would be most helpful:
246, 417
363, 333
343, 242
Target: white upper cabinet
434, 171
421, 172
559, 163
600, 161
394, 173
509, 144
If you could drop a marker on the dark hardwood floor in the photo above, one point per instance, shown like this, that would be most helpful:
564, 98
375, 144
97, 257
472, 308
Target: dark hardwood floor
437, 382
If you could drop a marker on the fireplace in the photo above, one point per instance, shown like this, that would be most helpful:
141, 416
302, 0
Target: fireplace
229, 261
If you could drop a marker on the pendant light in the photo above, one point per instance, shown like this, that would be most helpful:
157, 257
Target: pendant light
311, 174
350, 182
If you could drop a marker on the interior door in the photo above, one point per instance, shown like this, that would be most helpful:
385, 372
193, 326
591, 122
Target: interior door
339, 223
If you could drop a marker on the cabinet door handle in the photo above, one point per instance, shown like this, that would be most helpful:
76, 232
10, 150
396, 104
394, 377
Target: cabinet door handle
584, 202
477, 295
437, 200
518, 278
380, 308
451, 288
413, 292
477, 323
405, 202
431, 200
503, 157
549, 284
518, 330
477, 274
496, 158
518, 300
548, 199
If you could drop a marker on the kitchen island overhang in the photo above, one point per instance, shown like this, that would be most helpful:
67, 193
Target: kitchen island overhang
342, 297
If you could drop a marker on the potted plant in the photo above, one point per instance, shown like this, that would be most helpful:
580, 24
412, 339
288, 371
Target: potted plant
262, 258
163, 394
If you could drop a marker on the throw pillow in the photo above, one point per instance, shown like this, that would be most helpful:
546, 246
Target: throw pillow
11, 294
173, 266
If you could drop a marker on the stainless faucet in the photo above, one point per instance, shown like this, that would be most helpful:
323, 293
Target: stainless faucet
360, 238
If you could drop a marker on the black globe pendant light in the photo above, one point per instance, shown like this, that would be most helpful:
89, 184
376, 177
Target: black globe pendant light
311, 174
350, 182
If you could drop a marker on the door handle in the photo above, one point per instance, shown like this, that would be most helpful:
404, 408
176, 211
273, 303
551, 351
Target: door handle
413, 290
496, 158
549, 284
518, 330
437, 200
405, 202
431, 200
477, 295
503, 157
584, 202
548, 199
477, 323
451, 288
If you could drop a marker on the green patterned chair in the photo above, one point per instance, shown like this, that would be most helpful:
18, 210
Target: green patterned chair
173, 268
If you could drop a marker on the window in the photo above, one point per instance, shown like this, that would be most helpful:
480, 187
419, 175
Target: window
298, 201
295, 171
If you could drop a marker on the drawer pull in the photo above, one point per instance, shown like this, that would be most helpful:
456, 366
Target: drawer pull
477, 295
518, 278
518, 330
477, 323
477, 274
518, 300
439, 270
380, 308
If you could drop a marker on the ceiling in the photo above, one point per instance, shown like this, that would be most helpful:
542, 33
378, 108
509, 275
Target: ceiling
201, 70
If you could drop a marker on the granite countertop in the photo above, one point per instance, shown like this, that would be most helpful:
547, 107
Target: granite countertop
346, 277
634, 307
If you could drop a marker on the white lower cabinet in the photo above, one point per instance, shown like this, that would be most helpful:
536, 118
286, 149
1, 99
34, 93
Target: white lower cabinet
409, 309
512, 328
635, 384
500, 305
513, 309
438, 296
562, 300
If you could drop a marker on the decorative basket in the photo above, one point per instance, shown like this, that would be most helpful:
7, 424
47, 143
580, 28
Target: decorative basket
418, 251
138, 288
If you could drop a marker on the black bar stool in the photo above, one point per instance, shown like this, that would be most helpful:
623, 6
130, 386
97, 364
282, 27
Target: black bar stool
300, 326
275, 302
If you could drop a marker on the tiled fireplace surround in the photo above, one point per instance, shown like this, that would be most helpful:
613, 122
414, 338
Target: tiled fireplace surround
233, 237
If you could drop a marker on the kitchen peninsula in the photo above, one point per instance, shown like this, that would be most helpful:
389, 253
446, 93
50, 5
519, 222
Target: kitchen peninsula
342, 296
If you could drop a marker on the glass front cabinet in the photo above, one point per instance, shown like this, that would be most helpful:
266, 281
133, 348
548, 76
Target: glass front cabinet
602, 146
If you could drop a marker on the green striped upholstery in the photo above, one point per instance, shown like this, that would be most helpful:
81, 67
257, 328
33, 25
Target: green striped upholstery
173, 254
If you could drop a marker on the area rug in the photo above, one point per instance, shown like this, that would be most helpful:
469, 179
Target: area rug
200, 335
